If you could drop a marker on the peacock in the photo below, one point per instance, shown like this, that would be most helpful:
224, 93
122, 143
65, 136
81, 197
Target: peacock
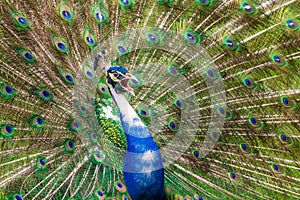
149, 99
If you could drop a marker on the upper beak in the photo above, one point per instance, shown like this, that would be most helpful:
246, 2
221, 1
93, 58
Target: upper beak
125, 83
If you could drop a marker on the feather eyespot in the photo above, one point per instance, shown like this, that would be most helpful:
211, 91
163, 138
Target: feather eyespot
224, 112
121, 187
233, 176
204, 3
163, 2
7, 91
74, 125
37, 122
89, 38
17, 197
231, 43
44, 94
99, 194
144, 111
173, 69
173, 125
191, 37
98, 157
287, 102
254, 122
100, 14
249, 82
66, 75
278, 59
121, 49
248, 7
41, 163
152, 37
66, 12
212, 74
214, 135
25, 54
285, 139
126, 3
69, 145
7, 131
292, 24
60, 44
276, 169
19, 19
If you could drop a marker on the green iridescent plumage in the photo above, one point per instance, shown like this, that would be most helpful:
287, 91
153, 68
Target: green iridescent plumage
217, 86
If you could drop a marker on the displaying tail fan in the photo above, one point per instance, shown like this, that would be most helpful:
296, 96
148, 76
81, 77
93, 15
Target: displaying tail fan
157, 99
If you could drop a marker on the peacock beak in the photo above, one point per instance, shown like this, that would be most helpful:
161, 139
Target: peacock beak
125, 83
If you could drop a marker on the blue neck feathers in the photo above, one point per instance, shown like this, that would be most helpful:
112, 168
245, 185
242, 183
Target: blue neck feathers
143, 166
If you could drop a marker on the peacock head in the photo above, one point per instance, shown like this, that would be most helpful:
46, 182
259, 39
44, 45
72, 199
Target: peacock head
118, 79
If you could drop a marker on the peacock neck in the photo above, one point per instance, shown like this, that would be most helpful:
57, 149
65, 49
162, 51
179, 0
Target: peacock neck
132, 124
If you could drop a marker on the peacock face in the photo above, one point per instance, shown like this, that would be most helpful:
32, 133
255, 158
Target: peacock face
118, 78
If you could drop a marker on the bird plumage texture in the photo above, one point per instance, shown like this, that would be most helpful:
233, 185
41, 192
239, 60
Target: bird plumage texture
217, 87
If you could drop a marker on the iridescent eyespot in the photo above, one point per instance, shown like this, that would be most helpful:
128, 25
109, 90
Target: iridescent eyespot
245, 149
126, 3
69, 145
231, 43
249, 82
100, 14
276, 169
248, 7
89, 38
41, 163
37, 122
98, 157
287, 102
121, 48
7, 131
197, 154
180, 104
278, 59
25, 54
173, 69
292, 24
214, 135
19, 19
173, 125
88, 72
66, 75
7, 91
94, 137
204, 3
191, 37
121, 187
212, 74
44, 94
103, 89
254, 122
196, 197
60, 44
233, 176
224, 112
66, 12
144, 111
99, 194
17, 197
74, 125
124, 197
163, 2
285, 139
152, 37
